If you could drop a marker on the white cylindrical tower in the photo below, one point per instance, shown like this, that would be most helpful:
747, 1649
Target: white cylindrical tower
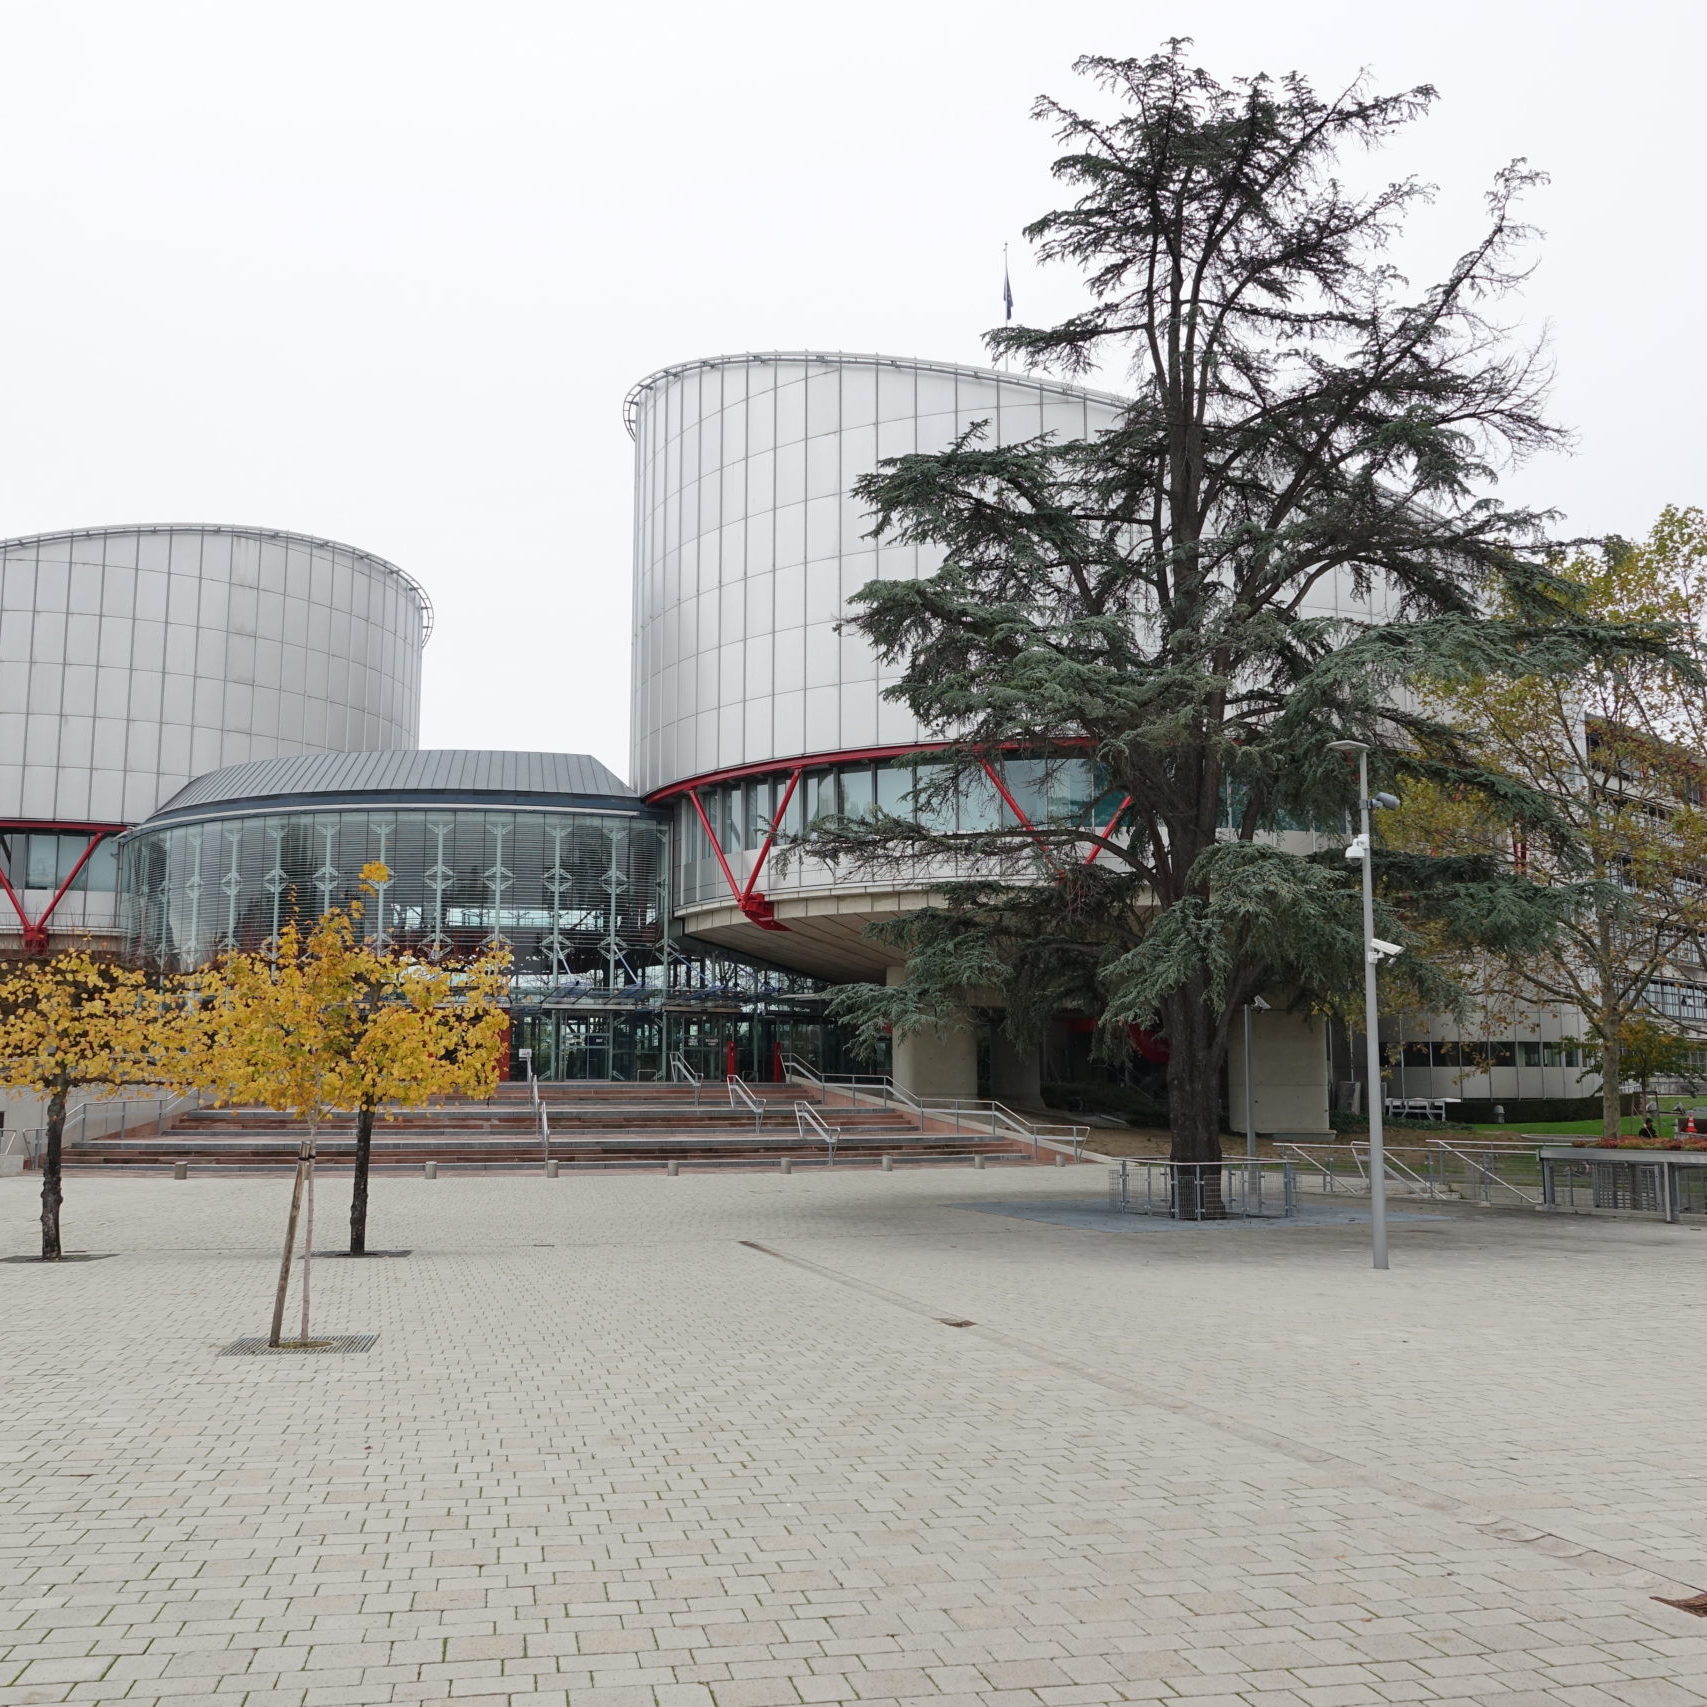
135, 658
748, 704
748, 545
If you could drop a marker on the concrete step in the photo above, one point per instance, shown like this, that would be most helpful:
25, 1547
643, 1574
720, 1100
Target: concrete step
237, 1153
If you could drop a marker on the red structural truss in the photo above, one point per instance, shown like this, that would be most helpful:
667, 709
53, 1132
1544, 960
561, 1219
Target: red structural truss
748, 897
35, 930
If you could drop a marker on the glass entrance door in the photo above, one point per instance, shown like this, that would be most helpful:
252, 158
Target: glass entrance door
583, 1046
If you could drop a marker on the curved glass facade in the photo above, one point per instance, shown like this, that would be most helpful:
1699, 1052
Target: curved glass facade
577, 897
599, 989
741, 812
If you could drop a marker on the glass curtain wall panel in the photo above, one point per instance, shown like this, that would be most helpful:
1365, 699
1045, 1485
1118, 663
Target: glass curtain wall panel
575, 897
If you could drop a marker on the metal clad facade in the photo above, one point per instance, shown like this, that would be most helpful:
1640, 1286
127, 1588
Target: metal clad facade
748, 546
135, 658
132, 659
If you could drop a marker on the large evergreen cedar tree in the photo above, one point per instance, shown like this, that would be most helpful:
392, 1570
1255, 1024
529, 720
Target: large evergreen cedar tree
1618, 751
1298, 420
322, 1020
75, 1022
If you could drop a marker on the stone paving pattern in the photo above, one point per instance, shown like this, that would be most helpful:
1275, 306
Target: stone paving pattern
605, 1454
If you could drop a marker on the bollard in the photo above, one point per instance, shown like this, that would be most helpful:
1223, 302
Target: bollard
180, 1170
431, 1170
672, 1169
889, 1164
1060, 1160
786, 1164
978, 1161
551, 1170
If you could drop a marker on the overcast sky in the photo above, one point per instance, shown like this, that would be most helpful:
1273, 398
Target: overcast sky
383, 270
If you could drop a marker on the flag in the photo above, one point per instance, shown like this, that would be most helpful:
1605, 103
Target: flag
1007, 287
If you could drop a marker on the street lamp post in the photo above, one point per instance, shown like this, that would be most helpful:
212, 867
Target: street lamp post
1374, 952
1260, 1006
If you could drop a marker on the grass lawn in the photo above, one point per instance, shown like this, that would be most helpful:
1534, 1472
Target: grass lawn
1574, 1128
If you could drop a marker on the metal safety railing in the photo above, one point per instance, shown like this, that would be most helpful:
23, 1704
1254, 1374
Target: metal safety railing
963, 1114
1491, 1173
741, 1097
811, 1125
21, 1147
111, 1117
1238, 1189
682, 1073
541, 1115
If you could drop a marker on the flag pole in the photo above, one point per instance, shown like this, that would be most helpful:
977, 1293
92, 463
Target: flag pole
1007, 304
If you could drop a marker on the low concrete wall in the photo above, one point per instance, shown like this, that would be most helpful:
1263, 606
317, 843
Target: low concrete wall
1291, 1058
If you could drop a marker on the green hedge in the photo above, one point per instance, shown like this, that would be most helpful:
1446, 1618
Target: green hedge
1479, 1111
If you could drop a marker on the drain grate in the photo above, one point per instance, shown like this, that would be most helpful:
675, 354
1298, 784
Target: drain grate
258, 1347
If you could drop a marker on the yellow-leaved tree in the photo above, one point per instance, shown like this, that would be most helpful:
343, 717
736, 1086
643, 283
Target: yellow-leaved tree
322, 1021
75, 1022
1621, 755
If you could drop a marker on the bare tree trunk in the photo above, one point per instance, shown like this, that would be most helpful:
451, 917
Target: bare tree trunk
1194, 1107
51, 1176
358, 1192
276, 1335
1611, 1071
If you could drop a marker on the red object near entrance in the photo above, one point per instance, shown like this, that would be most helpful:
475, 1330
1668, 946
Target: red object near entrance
730, 1066
1151, 1045
777, 1073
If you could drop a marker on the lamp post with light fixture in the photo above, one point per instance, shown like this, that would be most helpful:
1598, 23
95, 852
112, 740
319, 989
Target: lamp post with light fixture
1260, 1006
1374, 952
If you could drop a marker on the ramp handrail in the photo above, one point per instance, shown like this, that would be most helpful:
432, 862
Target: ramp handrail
541, 1119
681, 1071
1488, 1177
982, 1112
1395, 1170
739, 1095
810, 1124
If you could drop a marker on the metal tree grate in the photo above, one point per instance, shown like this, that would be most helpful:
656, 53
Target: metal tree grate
258, 1347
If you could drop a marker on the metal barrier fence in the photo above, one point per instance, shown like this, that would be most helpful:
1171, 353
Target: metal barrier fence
1668, 1185
1196, 1191
1489, 1172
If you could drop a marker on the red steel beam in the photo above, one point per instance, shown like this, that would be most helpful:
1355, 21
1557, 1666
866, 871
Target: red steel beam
770, 835
35, 930
1108, 829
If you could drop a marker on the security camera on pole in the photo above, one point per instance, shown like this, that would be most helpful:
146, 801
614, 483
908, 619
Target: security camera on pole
1374, 952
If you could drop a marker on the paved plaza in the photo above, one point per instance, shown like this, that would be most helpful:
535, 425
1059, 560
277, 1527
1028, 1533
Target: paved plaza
717, 1441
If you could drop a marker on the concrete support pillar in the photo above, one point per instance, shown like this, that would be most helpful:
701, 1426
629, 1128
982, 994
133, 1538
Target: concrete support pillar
1016, 1070
939, 1061
1291, 1077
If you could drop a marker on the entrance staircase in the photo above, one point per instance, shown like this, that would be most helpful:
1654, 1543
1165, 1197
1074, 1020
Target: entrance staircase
583, 1123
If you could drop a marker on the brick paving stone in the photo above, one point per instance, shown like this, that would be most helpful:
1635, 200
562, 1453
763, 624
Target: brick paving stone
606, 1455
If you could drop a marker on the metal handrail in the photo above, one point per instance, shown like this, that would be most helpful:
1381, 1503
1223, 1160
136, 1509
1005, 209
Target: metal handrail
541, 1118
810, 1124
682, 1072
1469, 1160
32, 1140
739, 1094
1395, 1170
76, 1127
996, 1115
